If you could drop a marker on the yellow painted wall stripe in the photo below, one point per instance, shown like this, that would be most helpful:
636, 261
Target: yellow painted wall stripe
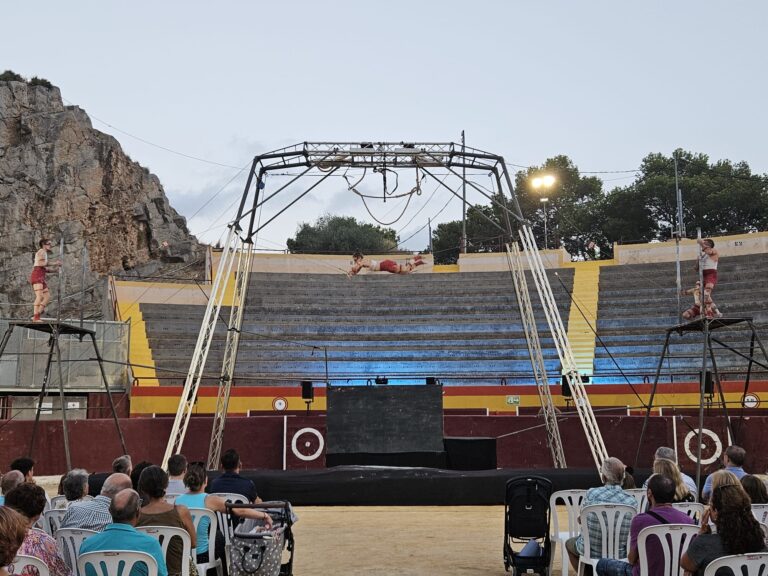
139, 351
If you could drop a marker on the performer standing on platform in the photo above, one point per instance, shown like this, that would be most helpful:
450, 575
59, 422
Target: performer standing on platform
37, 279
708, 262
361, 262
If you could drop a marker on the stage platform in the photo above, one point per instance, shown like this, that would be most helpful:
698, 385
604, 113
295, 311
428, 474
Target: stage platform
395, 486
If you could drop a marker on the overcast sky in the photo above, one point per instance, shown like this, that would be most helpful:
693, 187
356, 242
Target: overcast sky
603, 82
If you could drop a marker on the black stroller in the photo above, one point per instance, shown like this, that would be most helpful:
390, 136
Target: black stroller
254, 550
526, 525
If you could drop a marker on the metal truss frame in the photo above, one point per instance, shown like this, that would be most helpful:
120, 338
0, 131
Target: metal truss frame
327, 158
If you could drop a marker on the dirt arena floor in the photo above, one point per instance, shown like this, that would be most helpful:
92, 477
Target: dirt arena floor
395, 540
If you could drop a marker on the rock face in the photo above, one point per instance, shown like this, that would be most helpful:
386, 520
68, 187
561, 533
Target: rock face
62, 179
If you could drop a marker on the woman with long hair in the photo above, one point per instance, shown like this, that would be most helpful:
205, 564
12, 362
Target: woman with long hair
153, 482
738, 532
670, 470
13, 530
196, 479
755, 488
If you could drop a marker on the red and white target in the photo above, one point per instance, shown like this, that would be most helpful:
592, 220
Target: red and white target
307, 444
279, 404
711, 446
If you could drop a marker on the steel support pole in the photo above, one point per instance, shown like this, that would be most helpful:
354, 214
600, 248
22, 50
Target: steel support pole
109, 394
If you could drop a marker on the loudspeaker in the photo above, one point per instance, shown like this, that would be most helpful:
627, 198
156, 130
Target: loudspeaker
709, 385
432, 381
307, 390
566, 387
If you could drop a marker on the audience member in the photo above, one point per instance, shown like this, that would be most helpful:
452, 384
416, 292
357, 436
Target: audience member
122, 465
10, 480
733, 460
74, 486
94, 514
755, 488
738, 532
195, 481
136, 474
231, 481
29, 500
667, 453
13, 530
669, 469
661, 494
157, 512
612, 475
121, 534
26, 466
177, 467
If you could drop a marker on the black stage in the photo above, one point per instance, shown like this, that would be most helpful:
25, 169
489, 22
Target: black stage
396, 486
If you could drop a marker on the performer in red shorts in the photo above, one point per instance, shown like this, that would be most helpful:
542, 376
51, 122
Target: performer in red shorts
37, 279
708, 261
391, 266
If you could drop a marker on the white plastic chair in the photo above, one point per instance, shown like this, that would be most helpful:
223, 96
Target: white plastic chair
754, 563
572, 500
115, 562
641, 495
52, 520
68, 541
694, 510
171, 497
213, 562
674, 540
225, 523
760, 511
22, 562
610, 519
58, 502
164, 535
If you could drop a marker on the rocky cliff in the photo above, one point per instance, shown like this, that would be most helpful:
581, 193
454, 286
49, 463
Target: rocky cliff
62, 179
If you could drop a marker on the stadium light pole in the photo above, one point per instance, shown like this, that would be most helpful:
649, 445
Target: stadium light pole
542, 184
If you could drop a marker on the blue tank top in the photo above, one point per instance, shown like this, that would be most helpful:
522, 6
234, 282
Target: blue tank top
197, 501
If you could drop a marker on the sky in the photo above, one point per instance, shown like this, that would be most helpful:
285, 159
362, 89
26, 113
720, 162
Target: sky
194, 90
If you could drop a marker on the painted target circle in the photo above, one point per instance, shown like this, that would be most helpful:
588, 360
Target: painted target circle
307, 444
279, 404
750, 401
710, 444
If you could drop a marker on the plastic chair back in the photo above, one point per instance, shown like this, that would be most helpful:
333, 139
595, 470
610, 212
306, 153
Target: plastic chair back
164, 535
68, 541
170, 497
760, 511
694, 510
213, 562
641, 495
610, 518
224, 519
741, 564
673, 539
22, 562
58, 502
52, 520
115, 562
572, 500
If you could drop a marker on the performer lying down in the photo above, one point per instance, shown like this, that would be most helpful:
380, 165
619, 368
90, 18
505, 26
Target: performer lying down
361, 262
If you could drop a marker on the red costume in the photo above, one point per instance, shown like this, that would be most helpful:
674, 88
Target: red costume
38, 276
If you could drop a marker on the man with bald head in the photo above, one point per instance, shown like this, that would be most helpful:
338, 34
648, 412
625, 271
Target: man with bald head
121, 534
94, 514
10, 480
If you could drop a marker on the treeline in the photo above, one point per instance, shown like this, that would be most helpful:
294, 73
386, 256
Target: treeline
720, 198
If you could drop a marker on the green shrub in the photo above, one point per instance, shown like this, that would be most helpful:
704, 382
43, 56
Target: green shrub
40, 82
11, 76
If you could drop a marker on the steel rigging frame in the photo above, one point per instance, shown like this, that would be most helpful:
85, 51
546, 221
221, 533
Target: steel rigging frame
326, 158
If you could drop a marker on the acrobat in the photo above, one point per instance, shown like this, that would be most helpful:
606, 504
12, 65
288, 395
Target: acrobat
694, 311
37, 278
360, 262
708, 261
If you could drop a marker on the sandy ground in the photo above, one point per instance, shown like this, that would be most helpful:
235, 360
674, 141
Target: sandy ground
395, 540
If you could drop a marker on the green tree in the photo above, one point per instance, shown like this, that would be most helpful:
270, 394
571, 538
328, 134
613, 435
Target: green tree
339, 234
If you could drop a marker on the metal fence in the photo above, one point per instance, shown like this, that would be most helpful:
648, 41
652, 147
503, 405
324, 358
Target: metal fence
22, 366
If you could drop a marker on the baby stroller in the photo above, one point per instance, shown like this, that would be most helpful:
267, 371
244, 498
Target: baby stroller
254, 550
526, 525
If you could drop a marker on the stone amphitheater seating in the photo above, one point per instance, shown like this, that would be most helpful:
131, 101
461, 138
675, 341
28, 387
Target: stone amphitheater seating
461, 328
637, 303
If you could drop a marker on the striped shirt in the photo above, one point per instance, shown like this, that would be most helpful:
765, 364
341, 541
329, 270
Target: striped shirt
88, 514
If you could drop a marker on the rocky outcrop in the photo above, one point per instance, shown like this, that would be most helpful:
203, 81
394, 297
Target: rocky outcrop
62, 179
